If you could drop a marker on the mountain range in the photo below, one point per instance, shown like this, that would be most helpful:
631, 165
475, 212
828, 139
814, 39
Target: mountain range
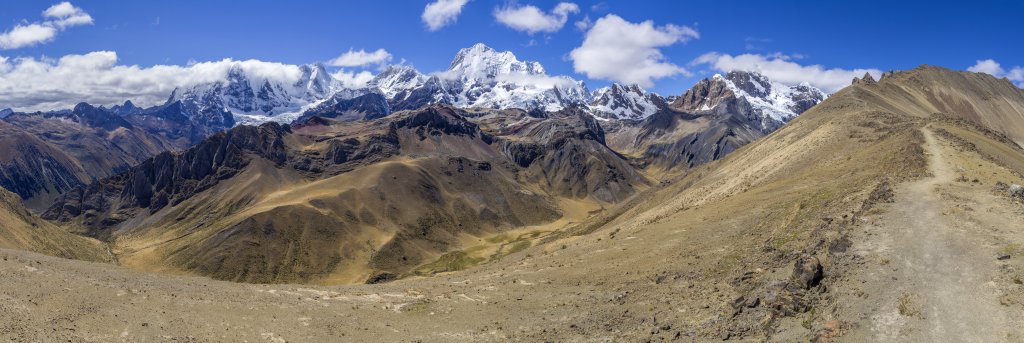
717, 215
721, 114
410, 166
478, 77
492, 201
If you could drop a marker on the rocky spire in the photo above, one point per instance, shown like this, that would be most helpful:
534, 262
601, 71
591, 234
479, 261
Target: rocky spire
866, 80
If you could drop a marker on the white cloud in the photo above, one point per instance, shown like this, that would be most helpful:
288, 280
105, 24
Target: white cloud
360, 58
65, 14
441, 13
988, 67
782, 69
584, 24
26, 35
58, 17
61, 10
31, 84
353, 79
536, 81
617, 50
531, 19
991, 67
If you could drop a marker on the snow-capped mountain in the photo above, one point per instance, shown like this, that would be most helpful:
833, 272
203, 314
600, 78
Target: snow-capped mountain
772, 103
396, 81
480, 76
253, 100
625, 102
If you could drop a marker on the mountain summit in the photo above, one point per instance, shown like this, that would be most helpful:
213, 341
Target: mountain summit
480, 76
254, 99
770, 102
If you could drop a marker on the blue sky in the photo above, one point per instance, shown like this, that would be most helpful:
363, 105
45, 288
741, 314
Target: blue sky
837, 35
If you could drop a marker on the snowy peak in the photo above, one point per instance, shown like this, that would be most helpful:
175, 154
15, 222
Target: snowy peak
482, 77
396, 79
254, 100
481, 61
752, 83
625, 102
760, 98
316, 82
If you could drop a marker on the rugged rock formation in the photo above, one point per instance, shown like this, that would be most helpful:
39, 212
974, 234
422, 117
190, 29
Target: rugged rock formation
715, 117
61, 149
750, 95
169, 178
625, 102
394, 192
364, 107
34, 169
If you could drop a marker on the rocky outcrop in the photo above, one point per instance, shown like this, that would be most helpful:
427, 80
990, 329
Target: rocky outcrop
700, 147
184, 121
566, 153
705, 94
1016, 191
368, 106
625, 102
439, 120
126, 109
715, 117
68, 148
34, 169
867, 79
169, 178
751, 95
807, 272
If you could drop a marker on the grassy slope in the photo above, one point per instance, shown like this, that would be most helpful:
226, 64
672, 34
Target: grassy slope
20, 229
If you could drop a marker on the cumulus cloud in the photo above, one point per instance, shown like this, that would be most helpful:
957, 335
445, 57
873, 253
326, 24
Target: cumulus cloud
441, 13
30, 84
782, 69
26, 35
617, 50
351, 79
361, 58
65, 14
991, 67
531, 19
57, 17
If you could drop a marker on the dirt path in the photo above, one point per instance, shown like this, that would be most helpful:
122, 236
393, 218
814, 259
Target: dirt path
929, 276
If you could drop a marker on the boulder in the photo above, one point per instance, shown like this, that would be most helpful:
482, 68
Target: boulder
807, 272
1016, 191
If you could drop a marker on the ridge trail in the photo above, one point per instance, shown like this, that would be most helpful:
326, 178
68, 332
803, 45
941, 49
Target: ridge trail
935, 276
